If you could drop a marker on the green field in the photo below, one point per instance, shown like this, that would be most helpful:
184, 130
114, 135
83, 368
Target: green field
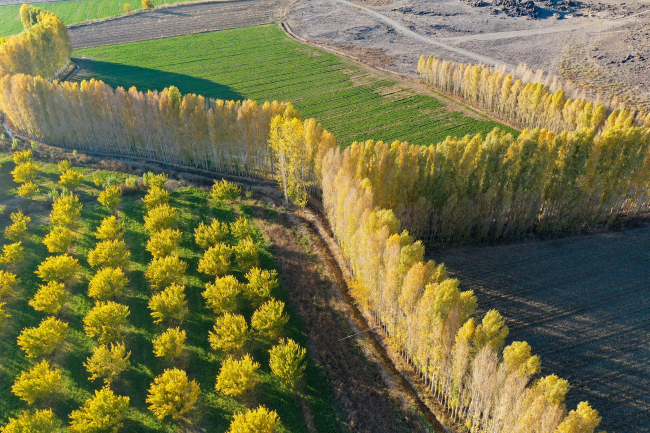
72, 12
264, 64
214, 410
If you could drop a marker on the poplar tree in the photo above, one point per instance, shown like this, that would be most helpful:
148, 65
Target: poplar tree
229, 334
169, 304
43, 339
103, 412
236, 377
287, 362
221, 296
107, 363
36, 383
172, 394
107, 321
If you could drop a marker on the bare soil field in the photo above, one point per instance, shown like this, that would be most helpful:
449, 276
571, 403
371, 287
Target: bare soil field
583, 305
601, 45
178, 20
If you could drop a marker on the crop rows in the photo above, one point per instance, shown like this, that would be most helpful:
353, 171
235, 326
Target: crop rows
261, 63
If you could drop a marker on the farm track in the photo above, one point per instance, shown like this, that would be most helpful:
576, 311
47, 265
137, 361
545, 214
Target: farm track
582, 303
179, 20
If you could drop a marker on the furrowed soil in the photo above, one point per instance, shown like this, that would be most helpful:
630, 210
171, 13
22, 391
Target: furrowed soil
262, 63
583, 305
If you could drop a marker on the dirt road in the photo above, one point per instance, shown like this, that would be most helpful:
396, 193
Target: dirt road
582, 303
178, 20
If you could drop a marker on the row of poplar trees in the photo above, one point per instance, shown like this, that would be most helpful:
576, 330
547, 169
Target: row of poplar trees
41, 49
522, 104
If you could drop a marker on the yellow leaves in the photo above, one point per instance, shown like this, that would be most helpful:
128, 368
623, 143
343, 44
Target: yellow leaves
12, 254
229, 334
221, 296
8, 283
160, 218
225, 191
216, 260
43, 339
260, 420
107, 283
247, 254
103, 412
109, 229
236, 377
36, 383
107, 363
260, 285
169, 344
21, 157
25, 172
268, 320
59, 239
111, 197
164, 272
208, 236
287, 362
169, 304
66, 211
517, 356
163, 243
553, 388
156, 196
39, 421
172, 394
109, 253
582, 420
107, 321
287, 140
492, 331
58, 268
50, 298
154, 180
28, 189
71, 179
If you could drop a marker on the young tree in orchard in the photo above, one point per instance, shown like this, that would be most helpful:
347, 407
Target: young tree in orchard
25, 172
208, 236
247, 254
160, 218
172, 394
71, 179
229, 334
221, 296
163, 243
12, 254
59, 239
241, 228
43, 339
63, 166
40, 381
4, 315
50, 298
260, 420
111, 197
103, 412
225, 191
16, 230
237, 377
39, 421
287, 362
156, 196
169, 304
170, 344
28, 189
112, 254
269, 319
110, 229
107, 283
21, 157
151, 180
107, 363
66, 211
216, 260
8, 283
58, 268
260, 285
164, 272
106, 321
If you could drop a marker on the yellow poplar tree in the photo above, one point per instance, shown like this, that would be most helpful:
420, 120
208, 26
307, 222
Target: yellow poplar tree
50, 298
103, 412
260, 420
108, 362
170, 344
36, 383
43, 339
260, 285
172, 394
287, 362
236, 377
287, 140
169, 304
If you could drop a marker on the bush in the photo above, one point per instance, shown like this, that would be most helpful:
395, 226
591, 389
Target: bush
127, 8
36, 383
221, 296
110, 229
160, 218
106, 321
163, 243
287, 362
169, 344
28, 189
260, 420
154, 180
111, 197
43, 339
172, 394
23, 157
16, 230
59, 239
107, 283
225, 191
71, 180
156, 196
40, 421
12, 254
102, 413
66, 211
25, 172
162, 273
216, 260
64, 166
241, 228
110, 253
50, 298
247, 254
58, 268
260, 285
269, 319
169, 304
107, 363
229, 334
208, 236
147, 4
236, 377
8, 283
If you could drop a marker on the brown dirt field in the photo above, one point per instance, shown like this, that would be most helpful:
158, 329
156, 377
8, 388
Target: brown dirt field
178, 20
583, 304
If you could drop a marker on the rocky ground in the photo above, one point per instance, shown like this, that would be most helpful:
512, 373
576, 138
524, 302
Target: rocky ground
604, 46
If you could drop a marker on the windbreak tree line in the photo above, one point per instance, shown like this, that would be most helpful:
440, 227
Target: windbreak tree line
41, 49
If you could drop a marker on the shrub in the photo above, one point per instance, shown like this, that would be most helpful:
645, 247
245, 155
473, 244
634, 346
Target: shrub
101, 413
236, 377
15, 143
127, 8
22, 157
247, 254
163, 243
216, 260
269, 319
36, 383
25, 172
154, 180
169, 344
208, 236
16, 230
4, 315
50, 298
8, 282
107, 363
71, 179
225, 191
64, 166
107, 283
58, 268
160, 218
59, 239
111, 197
156, 196
221, 296
28, 189
13, 253
40, 421
164, 272
66, 210
43, 339
106, 321
169, 304
172, 394
147, 4
110, 229
229, 334
241, 228
260, 420
287, 362
109, 253
260, 285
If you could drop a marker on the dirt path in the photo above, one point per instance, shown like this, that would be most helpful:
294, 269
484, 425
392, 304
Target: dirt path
582, 303
183, 19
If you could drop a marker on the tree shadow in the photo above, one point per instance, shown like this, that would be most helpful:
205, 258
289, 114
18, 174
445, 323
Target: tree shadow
126, 76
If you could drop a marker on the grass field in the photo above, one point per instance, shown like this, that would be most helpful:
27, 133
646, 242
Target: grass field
262, 63
214, 410
72, 12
